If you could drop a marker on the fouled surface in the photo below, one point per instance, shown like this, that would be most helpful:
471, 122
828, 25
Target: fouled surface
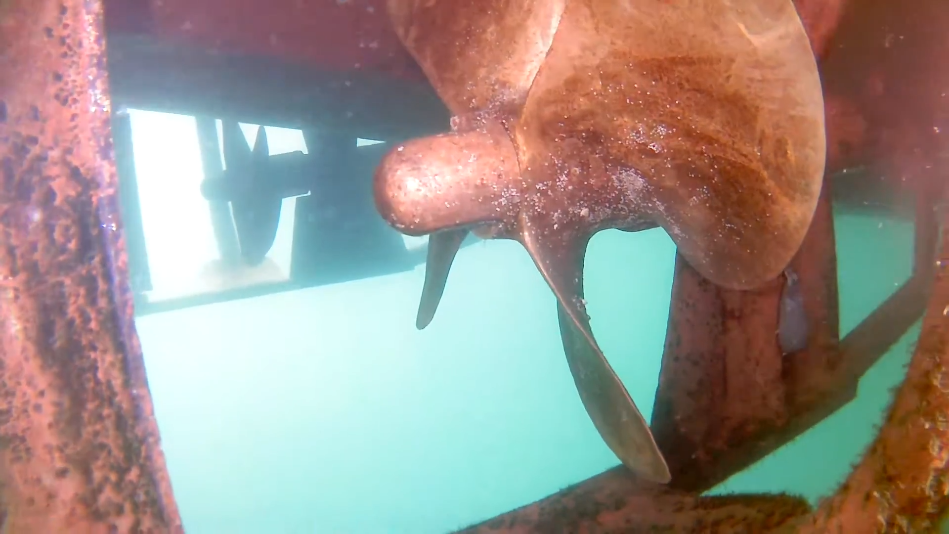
885, 87
900, 486
341, 35
619, 505
570, 118
531, 166
716, 419
478, 54
902, 482
703, 118
727, 396
79, 446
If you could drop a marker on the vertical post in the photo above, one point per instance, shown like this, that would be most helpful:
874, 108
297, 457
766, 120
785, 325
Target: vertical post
726, 395
79, 446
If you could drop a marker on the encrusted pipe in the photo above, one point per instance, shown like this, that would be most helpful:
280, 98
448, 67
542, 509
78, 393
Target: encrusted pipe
79, 446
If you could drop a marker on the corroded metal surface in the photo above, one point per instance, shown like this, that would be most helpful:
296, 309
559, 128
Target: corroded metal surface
900, 486
79, 446
902, 483
617, 504
726, 399
645, 127
727, 396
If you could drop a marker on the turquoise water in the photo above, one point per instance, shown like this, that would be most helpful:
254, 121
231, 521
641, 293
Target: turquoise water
325, 411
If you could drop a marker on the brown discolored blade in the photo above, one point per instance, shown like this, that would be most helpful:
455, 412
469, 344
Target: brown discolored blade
477, 53
559, 257
442, 248
715, 130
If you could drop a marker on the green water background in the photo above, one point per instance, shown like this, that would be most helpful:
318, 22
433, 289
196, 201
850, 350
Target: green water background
325, 411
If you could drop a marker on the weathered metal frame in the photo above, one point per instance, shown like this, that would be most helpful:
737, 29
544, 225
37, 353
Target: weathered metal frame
79, 445
615, 502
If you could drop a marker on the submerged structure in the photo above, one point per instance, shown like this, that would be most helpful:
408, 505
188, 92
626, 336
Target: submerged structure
80, 450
